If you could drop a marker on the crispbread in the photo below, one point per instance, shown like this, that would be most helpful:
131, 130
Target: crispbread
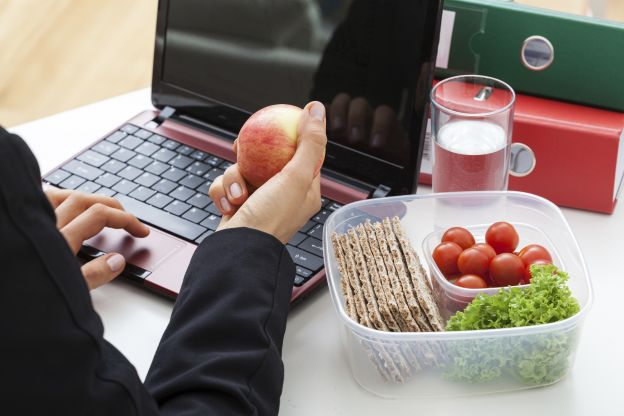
347, 292
420, 281
397, 289
365, 281
378, 287
406, 284
358, 296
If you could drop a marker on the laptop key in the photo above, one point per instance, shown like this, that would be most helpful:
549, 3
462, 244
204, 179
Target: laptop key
182, 193
108, 180
161, 219
185, 150
305, 259
147, 149
213, 161
123, 155
88, 187
147, 179
143, 134
199, 155
303, 272
211, 222
212, 208
174, 174
83, 170
299, 280
312, 245
203, 236
199, 168
225, 165
155, 138
333, 206
124, 186
324, 202
170, 144
177, 207
157, 167
296, 239
204, 187
140, 161
164, 155
129, 128
199, 200
307, 226
142, 193
321, 216
113, 166
130, 172
181, 161
130, 142
115, 137
57, 177
160, 200
105, 192
192, 181
93, 158
195, 214
316, 231
105, 148
165, 186
213, 174
72, 182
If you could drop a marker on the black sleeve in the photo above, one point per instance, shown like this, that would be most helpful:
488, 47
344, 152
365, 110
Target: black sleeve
55, 359
221, 354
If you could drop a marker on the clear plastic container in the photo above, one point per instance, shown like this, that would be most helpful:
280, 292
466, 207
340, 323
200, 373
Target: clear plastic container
439, 364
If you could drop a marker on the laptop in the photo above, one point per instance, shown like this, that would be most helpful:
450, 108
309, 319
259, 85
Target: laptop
217, 62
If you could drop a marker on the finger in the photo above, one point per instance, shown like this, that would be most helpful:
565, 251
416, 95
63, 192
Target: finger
234, 186
219, 197
103, 269
56, 196
311, 143
77, 202
338, 115
384, 119
357, 120
95, 219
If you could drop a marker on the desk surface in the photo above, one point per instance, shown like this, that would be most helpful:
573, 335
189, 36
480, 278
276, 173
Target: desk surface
317, 379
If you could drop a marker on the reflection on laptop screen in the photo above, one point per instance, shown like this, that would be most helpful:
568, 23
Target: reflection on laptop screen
368, 61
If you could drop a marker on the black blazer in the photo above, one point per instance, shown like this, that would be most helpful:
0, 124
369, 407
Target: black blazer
220, 354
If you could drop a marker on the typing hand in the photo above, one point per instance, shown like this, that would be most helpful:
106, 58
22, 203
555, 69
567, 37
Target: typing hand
285, 202
80, 216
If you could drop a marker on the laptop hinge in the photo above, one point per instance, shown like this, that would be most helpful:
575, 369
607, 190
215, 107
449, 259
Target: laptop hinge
381, 191
163, 115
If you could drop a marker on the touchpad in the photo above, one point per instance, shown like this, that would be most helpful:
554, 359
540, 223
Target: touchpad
146, 253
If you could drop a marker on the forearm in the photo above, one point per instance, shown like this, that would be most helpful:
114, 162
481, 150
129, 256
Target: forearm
221, 353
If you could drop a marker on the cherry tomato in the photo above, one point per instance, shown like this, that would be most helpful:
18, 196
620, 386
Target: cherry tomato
471, 281
534, 252
506, 269
459, 235
445, 256
527, 271
486, 249
503, 237
473, 261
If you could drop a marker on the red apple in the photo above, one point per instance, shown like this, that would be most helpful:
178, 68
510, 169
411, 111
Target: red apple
267, 141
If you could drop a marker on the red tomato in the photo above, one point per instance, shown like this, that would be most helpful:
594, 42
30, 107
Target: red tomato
459, 235
506, 269
445, 256
503, 237
471, 281
533, 252
473, 261
527, 270
486, 249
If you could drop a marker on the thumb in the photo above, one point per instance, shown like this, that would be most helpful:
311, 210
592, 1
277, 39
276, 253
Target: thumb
103, 269
312, 140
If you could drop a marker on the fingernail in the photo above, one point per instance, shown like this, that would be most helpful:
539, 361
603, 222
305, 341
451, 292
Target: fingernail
235, 190
317, 111
376, 142
338, 122
225, 204
355, 133
115, 262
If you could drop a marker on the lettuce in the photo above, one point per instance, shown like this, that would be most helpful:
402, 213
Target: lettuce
534, 359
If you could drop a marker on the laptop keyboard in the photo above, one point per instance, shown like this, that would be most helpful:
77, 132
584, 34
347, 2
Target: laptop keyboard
165, 184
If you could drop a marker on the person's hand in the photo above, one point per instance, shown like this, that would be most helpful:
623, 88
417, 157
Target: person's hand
80, 216
286, 201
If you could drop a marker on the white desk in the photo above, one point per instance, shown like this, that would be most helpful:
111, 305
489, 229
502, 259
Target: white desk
318, 380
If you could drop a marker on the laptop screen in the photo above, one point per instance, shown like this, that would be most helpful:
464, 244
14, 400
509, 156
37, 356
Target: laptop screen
369, 61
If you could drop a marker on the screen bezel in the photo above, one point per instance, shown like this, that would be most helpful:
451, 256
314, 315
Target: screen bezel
349, 162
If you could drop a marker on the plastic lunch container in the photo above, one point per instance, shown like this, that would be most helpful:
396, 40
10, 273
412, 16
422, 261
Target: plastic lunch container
438, 364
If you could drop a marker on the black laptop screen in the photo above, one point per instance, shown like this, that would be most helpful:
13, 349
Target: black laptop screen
368, 61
